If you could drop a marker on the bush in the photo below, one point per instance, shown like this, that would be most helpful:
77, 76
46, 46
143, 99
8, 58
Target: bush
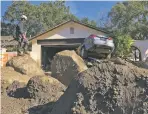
123, 45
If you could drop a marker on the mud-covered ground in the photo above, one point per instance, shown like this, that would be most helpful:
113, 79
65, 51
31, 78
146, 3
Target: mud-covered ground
110, 87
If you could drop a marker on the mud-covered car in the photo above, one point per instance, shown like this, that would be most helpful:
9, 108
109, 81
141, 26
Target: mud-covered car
98, 45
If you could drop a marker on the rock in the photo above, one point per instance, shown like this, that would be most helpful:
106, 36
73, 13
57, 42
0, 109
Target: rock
106, 88
17, 90
118, 61
9, 75
45, 89
25, 65
65, 65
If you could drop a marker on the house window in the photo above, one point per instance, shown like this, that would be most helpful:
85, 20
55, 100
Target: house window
71, 30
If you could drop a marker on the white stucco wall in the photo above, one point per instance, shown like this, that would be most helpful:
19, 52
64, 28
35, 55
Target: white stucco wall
79, 32
142, 45
36, 53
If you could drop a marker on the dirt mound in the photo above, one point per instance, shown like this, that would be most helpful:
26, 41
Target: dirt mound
9, 75
65, 65
45, 89
141, 64
106, 88
10, 105
4, 85
25, 65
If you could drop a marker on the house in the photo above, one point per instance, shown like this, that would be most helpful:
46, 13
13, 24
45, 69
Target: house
8, 41
67, 35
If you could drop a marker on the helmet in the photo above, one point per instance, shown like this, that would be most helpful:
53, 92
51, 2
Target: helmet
24, 17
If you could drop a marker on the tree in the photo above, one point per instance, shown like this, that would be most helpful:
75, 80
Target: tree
6, 29
123, 44
130, 17
41, 17
87, 21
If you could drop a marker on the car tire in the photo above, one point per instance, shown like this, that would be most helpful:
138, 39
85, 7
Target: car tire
83, 52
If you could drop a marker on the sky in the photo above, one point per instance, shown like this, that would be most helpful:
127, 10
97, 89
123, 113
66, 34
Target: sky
91, 9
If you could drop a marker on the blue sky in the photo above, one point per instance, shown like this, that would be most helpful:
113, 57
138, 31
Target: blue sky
91, 9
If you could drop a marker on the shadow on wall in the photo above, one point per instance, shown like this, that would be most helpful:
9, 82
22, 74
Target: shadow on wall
142, 45
135, 54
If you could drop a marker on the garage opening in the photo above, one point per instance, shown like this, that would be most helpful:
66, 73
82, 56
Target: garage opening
49, 47
48, 53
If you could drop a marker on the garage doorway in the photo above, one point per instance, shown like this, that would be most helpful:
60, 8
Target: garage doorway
48, 53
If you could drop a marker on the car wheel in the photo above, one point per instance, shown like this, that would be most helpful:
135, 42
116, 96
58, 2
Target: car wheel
83, 52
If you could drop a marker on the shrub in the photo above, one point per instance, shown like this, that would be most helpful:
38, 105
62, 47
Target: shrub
122, 44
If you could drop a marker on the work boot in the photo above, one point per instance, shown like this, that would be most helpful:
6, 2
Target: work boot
27, 52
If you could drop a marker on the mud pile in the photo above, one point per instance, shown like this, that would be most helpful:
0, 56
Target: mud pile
107, 88
141, 64
66, 65
25, 65
25, 88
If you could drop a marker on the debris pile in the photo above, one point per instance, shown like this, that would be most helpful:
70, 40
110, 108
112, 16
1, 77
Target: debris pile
112, 86
24, 86
107, 88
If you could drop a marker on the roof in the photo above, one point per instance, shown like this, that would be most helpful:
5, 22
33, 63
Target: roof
8, 41
11, 43
8, 38
84, 24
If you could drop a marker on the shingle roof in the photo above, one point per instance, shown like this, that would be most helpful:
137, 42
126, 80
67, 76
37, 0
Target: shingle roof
8, 41
6, 38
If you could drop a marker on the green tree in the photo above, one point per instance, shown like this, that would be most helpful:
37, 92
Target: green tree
6, 29
130, 17
123, 44
40, 17
87, 21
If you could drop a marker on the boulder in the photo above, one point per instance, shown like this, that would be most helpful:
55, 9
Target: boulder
66, 65
9, 75
107, 88
17, 90
45, 89
25, 65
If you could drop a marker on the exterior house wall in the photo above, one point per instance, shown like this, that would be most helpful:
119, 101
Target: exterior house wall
79, 32
36, 53
142, 45
61, 32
